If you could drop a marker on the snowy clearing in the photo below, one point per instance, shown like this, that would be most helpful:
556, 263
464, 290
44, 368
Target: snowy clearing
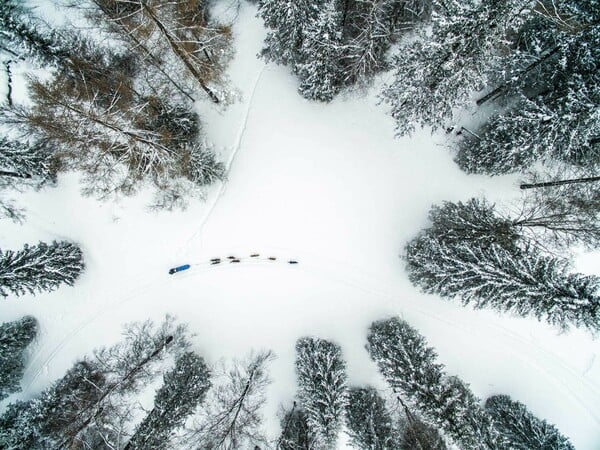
327, 186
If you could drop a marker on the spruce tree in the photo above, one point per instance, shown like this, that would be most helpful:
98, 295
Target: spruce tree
522, 429
20, 162
287, 22
410, 367
184, 388
22, 36
554, 99
521, 281
320, 69
321, 373
15, 337
89, 406
369, 424
439, 73
295, 432
39, 268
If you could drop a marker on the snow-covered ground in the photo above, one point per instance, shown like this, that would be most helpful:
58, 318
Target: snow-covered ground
328, 186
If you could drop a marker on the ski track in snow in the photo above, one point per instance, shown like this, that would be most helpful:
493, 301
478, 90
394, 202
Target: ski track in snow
229, 164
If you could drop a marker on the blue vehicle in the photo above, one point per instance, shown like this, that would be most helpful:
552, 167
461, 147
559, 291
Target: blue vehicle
179, 269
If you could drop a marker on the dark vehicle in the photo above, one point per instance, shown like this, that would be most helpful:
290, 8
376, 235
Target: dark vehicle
292, 262
254, 255
179, 269
215, 262
272, 258
235, 261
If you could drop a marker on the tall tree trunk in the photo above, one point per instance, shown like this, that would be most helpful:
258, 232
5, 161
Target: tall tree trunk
559, 182
181, 54
4, 173
68, 443
9, 99
500, 89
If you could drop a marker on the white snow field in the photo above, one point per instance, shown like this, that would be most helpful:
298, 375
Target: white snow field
326, 185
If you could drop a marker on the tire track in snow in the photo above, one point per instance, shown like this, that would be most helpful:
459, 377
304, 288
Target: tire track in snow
230, 161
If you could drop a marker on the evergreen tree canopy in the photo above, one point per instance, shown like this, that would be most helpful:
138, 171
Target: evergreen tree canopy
369, 424
20, 161
321, 373
320, 69
439, 73
40, 267
183, 390
410, 367
522, 429
552, 78
89, 407
15, 337
295, 433
521, 281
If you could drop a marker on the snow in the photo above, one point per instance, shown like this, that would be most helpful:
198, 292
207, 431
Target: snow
328, 186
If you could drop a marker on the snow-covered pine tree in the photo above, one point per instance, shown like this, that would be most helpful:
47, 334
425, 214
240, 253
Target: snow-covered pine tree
419, 435
89, 407
230, 417
369, 27
21, 36
567, 98
183, 390
174, 37
21, 161
23, 164
39, 268
474, 221
295, 433
14, 339
320, 71
287, 22
522, 281
368, 422
522, 429
321, 373
439, 73
410, 367
41, 423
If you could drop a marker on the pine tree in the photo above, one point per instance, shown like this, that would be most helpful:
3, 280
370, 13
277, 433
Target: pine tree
22, 161
522, 429
15, 337
321, 373
320, 69
21, 36
184, 388
369, 424
435, 75
419, 435
39, 268
410, 367
89, 406
554, 99
287, 22
295, 432
369, 29
520, 281
230, 417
